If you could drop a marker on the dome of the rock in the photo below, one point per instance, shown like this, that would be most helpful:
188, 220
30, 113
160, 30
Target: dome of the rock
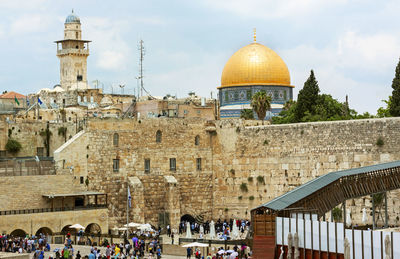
249, 70
255, 64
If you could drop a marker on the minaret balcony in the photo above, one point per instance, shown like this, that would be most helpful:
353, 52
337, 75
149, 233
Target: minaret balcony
62, 52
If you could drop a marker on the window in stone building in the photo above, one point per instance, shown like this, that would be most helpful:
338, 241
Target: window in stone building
147, 165
197, 140
76, 35
198, 164
158, 136
172, 164
39, 151
116, 165
115, 139
81, 180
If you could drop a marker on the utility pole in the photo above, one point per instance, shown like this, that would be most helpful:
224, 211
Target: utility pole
141, 58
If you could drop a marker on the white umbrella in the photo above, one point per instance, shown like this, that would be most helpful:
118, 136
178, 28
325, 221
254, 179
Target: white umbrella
222, 251
188, 231
212, 230
145, 227
364, 216
195, 244
133, 225
348, 219
77, 226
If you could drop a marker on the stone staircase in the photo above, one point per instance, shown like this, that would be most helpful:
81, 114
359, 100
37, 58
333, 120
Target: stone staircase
264, 247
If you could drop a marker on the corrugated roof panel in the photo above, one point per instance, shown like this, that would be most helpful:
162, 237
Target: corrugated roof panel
318, 183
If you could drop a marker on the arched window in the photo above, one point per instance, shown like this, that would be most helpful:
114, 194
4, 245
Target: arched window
76, 34
158, 136
197, 140
115, 139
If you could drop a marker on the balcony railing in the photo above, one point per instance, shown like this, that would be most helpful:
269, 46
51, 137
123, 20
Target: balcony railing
72, 51
26, 167
44, 210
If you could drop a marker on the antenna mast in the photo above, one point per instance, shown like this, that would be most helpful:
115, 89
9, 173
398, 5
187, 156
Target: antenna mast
141, 58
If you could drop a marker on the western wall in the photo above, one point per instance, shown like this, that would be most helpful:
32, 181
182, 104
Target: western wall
266, 160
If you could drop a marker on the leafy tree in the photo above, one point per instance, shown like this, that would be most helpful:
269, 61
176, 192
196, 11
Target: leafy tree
247, 114
378, 199
63, 131
46, 134
394, 108
261, 103
13, 146
337, 214
307, 98
385, 112
312, 106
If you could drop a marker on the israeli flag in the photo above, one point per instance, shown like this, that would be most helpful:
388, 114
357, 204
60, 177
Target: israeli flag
39, 101
129, 197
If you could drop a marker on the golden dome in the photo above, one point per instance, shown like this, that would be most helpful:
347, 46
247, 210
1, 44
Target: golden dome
255, 64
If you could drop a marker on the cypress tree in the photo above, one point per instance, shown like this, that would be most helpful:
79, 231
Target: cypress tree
307, 98
394, 107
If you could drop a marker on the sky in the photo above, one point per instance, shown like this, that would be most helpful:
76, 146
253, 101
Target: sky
353, 46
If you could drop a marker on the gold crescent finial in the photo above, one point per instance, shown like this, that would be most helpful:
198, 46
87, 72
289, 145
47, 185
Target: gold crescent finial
255, 36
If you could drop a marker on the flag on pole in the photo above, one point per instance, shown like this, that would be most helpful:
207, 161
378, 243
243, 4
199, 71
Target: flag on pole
16, 100
28, 102
39, 101
129, 197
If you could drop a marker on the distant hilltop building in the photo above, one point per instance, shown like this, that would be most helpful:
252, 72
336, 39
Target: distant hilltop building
73, 52
251, 69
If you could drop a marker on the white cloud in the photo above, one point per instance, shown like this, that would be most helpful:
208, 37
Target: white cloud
22, 4
377, 52
270, 9
109, 48
373, 56
111, 60
30, 23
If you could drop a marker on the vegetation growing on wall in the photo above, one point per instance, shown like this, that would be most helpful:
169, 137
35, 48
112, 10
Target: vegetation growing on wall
13, 146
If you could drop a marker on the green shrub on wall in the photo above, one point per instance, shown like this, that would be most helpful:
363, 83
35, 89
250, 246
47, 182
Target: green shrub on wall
13, 146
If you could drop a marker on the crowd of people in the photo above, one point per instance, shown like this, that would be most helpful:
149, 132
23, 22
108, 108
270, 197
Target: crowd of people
236, 253
26, 244
222, 227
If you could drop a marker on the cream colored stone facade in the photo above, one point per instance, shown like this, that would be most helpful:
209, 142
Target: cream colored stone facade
270, 160
55, 221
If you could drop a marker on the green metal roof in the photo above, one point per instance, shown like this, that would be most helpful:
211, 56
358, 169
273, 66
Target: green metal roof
286, 200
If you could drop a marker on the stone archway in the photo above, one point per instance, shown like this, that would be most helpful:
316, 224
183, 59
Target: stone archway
93, 228
188, 217
66, 229
45, 231
18, 233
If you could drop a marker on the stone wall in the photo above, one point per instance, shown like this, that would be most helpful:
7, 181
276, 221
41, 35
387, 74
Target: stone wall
286, 156
269, 160
26, 192
28, 134
137, 142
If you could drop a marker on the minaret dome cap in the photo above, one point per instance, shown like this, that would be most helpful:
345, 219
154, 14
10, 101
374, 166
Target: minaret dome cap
72, 18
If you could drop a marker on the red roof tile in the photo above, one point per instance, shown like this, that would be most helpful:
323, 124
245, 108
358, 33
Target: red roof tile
11, 95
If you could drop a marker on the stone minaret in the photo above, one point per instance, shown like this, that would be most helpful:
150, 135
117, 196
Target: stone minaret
73, 55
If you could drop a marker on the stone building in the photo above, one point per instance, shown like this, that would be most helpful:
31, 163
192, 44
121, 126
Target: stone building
251, 69
192, 106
